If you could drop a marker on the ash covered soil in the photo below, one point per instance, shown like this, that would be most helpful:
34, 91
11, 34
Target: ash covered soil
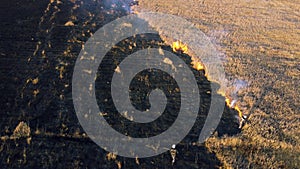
40, 42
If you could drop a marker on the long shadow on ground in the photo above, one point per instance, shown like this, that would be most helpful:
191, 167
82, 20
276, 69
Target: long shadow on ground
37, 45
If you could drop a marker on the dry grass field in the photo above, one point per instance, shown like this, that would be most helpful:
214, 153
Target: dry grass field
261, 41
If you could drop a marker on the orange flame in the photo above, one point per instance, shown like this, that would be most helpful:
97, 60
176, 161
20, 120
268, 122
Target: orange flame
179, 46
198, 65
228, 103
240, 113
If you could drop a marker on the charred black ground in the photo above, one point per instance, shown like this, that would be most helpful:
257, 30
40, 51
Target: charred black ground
36, 44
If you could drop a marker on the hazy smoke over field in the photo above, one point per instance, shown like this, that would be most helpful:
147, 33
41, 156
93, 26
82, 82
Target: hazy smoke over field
120, 4
235, 87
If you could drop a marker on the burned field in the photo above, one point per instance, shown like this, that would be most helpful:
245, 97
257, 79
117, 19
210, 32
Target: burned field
39, 44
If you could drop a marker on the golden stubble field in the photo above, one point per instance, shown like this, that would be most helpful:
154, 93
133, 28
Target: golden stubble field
261, 42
